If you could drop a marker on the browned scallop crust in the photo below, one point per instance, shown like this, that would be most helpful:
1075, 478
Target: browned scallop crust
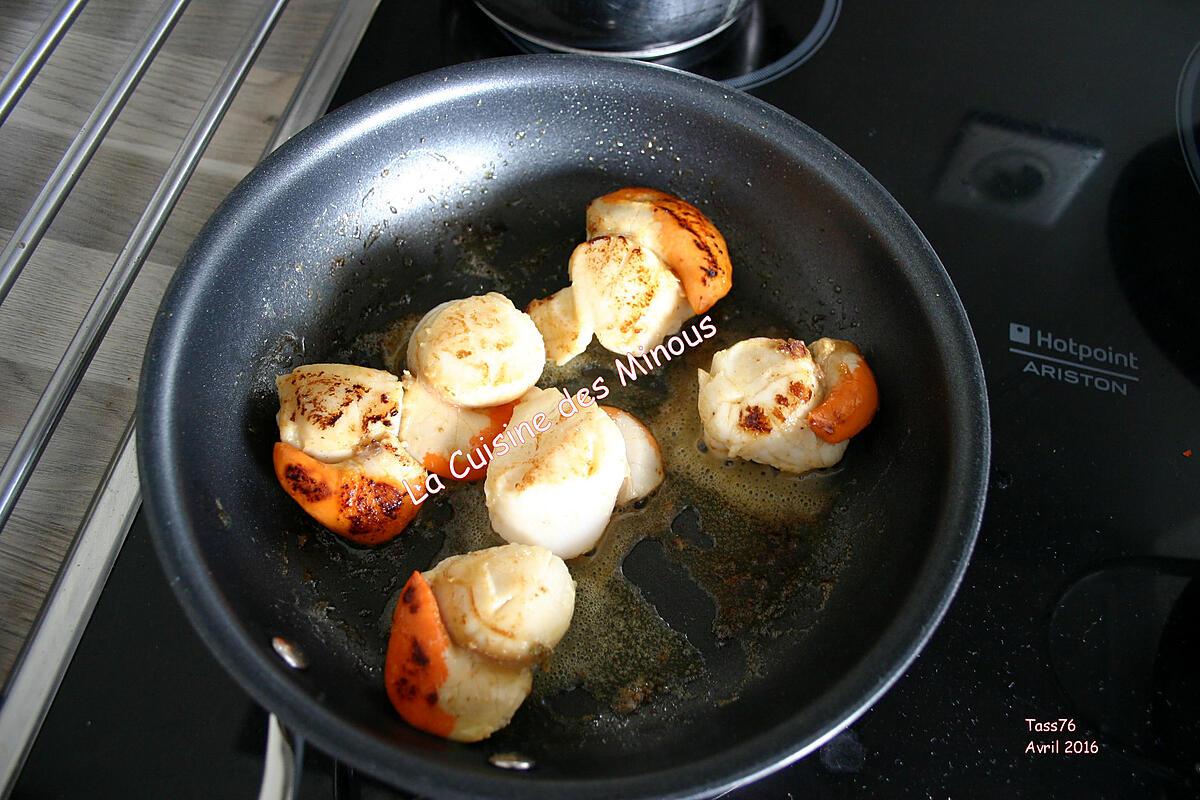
343, 499
754, 420
682, 236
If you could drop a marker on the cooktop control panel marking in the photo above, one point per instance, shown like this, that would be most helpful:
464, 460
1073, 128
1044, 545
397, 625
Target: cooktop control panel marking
1055, 357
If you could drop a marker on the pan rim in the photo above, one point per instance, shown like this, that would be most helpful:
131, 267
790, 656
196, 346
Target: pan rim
960, 516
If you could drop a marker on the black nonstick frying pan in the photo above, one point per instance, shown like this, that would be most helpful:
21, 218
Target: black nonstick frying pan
782, 623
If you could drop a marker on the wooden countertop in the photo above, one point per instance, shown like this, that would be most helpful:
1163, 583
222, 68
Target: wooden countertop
45, 307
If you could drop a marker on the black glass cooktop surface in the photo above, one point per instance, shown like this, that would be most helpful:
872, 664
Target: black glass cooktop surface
1049, 153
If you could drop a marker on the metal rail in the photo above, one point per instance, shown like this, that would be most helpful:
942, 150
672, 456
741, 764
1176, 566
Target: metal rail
57, 394
52, 641
27, 65
29, 232
320, 80
39, 672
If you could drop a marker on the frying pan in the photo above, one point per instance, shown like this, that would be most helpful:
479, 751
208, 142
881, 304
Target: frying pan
475, 178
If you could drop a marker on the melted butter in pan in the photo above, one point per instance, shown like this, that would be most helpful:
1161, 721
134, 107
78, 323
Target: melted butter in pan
760, 547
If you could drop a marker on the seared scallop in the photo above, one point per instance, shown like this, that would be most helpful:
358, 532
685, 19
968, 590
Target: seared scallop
634, 299
444, 437
511, 603
330, 410
566, 327
478, 351
465, 634
339, 456
755, 404
442, 688
368, 498
556, 481
679, 233
643, 454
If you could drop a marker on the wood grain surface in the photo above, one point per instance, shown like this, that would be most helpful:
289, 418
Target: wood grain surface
45, 307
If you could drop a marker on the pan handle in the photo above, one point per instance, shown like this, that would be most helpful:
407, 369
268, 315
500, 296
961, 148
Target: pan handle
281, 764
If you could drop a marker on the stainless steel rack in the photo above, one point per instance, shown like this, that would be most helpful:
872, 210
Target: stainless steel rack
49, 647
27, 65
66, 377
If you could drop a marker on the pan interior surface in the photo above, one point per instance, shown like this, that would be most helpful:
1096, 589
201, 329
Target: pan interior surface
760, 633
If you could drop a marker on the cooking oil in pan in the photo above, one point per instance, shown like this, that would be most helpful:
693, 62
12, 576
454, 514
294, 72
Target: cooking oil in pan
761, 545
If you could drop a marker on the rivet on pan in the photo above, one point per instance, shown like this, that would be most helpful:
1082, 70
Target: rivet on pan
511, 760
292, 655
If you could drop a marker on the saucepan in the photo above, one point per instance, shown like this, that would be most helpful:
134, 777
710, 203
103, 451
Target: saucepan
626, 28
755, 617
